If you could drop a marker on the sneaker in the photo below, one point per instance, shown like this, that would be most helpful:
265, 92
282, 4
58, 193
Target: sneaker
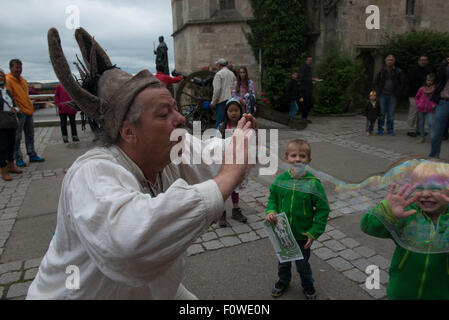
237, 215
421, 140
380, 133
310, 293
36, 158
20, 163
368, 134
65, 139
412, 134
278, 289
391, 133
75, 139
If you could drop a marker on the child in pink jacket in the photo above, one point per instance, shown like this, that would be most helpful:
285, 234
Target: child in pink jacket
425, 106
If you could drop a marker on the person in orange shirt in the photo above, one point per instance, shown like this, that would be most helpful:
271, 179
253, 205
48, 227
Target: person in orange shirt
18, 87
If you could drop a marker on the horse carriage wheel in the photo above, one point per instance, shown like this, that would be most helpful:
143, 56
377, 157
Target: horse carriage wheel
193, 98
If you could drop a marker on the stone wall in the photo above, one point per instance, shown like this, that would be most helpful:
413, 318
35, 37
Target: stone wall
203, 34
346, 24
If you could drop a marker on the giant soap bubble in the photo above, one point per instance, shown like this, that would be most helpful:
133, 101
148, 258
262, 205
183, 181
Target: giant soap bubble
418, 233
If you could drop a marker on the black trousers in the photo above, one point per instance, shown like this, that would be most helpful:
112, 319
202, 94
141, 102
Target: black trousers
307, 104
7, 141
63, 118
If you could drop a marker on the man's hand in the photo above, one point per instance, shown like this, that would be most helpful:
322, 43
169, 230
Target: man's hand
309, 241
271, 218
399, 201
235, 159
252, 119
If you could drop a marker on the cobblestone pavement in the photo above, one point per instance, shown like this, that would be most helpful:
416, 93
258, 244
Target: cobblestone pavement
339, 250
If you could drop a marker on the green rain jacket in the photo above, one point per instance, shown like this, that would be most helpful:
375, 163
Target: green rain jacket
413, 275
306, 211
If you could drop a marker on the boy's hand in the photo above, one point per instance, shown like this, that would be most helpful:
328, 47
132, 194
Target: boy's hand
309, 241
271, 218
399, 201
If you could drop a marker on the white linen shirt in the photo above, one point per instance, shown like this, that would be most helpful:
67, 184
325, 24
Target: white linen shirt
126, 244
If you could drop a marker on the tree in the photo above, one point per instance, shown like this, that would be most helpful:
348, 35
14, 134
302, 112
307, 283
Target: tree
279, 30
340, 90
408, 47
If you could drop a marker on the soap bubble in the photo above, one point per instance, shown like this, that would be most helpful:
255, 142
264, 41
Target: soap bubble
418, 233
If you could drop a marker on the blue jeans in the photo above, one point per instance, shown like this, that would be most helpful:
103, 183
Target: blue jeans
302, 266
219, 113
423, 118
293, 109
370, 125
440, 121
387, 106
26, 124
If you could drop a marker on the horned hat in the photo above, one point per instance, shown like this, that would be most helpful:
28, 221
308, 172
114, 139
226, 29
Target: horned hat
106, 92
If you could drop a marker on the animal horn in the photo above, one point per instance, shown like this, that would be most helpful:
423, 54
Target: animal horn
96, 59
87, 102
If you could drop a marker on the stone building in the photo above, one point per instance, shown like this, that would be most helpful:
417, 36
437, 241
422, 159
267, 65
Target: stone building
206, 30
344, 22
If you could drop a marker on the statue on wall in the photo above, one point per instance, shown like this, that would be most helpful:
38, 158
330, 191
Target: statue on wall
162, 55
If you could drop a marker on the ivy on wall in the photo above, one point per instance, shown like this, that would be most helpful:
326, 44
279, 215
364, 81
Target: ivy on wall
279, 31
408, 47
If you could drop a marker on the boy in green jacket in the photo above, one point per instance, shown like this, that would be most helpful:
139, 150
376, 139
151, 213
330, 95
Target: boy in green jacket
420, 228
301, 196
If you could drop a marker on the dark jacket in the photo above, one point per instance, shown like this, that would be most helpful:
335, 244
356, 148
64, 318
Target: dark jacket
305, 76
372, 113
442, 80
292, 90
416, 79
381, 78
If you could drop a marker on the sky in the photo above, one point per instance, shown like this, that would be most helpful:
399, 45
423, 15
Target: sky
125, 29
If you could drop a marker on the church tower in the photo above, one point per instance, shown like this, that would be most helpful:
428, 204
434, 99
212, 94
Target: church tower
206, 30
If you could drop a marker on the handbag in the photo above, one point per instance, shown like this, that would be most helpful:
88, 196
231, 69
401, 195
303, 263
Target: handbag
8, 120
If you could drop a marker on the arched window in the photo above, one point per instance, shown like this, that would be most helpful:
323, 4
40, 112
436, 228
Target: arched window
227, 4
410, 9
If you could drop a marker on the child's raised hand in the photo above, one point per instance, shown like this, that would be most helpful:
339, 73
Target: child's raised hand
271, 218
399, 201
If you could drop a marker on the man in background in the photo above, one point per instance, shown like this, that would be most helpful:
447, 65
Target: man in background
416, 78
19, 89
222, 84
